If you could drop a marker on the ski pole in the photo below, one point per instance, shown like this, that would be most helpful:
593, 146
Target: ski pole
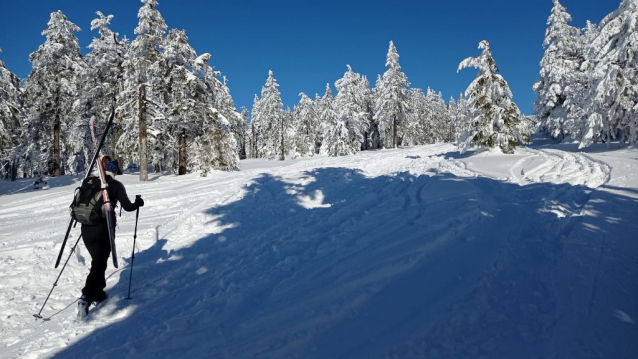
38, 316
66, 236
130, 279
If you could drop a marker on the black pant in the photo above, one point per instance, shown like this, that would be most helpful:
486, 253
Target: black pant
96, 239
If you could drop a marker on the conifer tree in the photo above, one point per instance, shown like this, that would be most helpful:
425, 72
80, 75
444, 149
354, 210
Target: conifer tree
181, 89
50, 91
140, 103
336, 138
216, 147
614, 61
11, 120
439, 116
351, 107
253, 135
453, 110
495, 118
269, 119
102, 83
306, 126
391, 99
561, 61
419, 126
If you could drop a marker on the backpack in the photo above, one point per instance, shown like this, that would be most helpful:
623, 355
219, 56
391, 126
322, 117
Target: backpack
88, 206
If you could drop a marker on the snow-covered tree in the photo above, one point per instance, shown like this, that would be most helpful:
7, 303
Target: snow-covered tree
439, 114
11, 117
613, 55
253, 130
217, 146
306, 123
182, 91
418, 128
336, 137
50, 91
226, 106
351, 107
563, 57
268, 117
453, 111
101, 84
140, 102
391, 99
495, 118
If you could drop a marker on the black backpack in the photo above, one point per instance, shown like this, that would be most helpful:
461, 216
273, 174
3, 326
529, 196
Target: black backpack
88, 205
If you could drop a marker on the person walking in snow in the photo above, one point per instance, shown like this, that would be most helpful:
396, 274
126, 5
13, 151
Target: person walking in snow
97, 241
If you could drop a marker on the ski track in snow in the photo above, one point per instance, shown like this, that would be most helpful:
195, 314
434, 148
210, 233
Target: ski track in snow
406, 253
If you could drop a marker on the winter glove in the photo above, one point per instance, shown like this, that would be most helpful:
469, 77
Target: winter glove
139, 202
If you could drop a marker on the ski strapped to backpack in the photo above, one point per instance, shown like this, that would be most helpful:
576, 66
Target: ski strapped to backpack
106, 203
88, 173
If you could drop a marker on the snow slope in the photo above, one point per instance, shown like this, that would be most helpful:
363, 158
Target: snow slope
408, 253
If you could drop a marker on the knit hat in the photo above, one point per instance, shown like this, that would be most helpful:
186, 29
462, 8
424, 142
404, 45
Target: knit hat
112, 166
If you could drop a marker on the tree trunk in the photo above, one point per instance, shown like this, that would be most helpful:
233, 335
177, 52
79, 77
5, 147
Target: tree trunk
14, 171
394, 134
182, 153
283, 148
143, 151
364, 145
254, 144
56, 141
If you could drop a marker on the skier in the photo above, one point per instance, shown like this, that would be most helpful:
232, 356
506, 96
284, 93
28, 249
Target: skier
97, 241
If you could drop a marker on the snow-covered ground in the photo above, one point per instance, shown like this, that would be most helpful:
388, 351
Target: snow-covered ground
409, 253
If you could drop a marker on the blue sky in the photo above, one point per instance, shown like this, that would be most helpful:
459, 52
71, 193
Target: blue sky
309, 43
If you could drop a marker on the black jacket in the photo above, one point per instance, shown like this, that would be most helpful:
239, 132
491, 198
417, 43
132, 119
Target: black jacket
117, 193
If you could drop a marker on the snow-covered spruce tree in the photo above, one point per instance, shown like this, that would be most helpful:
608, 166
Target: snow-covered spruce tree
495, 118
287, 135
583, 124
253, 130
563, 57
351, 108
50, 91
462, 117
11, 120
391, 99
181, 90
140, 102
374, 138
101, 84
336, 137
226, 106
418, 127
439, 113
269, 119
216, 147
306, 123
613, 54
368, 107
453, 111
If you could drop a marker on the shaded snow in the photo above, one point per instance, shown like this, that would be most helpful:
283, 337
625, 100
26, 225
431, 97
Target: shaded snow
406, 253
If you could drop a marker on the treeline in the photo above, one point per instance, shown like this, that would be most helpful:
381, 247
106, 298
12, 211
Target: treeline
174, 112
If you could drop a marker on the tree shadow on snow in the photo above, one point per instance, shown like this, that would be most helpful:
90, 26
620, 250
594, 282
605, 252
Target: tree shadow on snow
341, 265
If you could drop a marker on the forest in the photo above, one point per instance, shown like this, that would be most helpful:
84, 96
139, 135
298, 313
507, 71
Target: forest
174, 111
